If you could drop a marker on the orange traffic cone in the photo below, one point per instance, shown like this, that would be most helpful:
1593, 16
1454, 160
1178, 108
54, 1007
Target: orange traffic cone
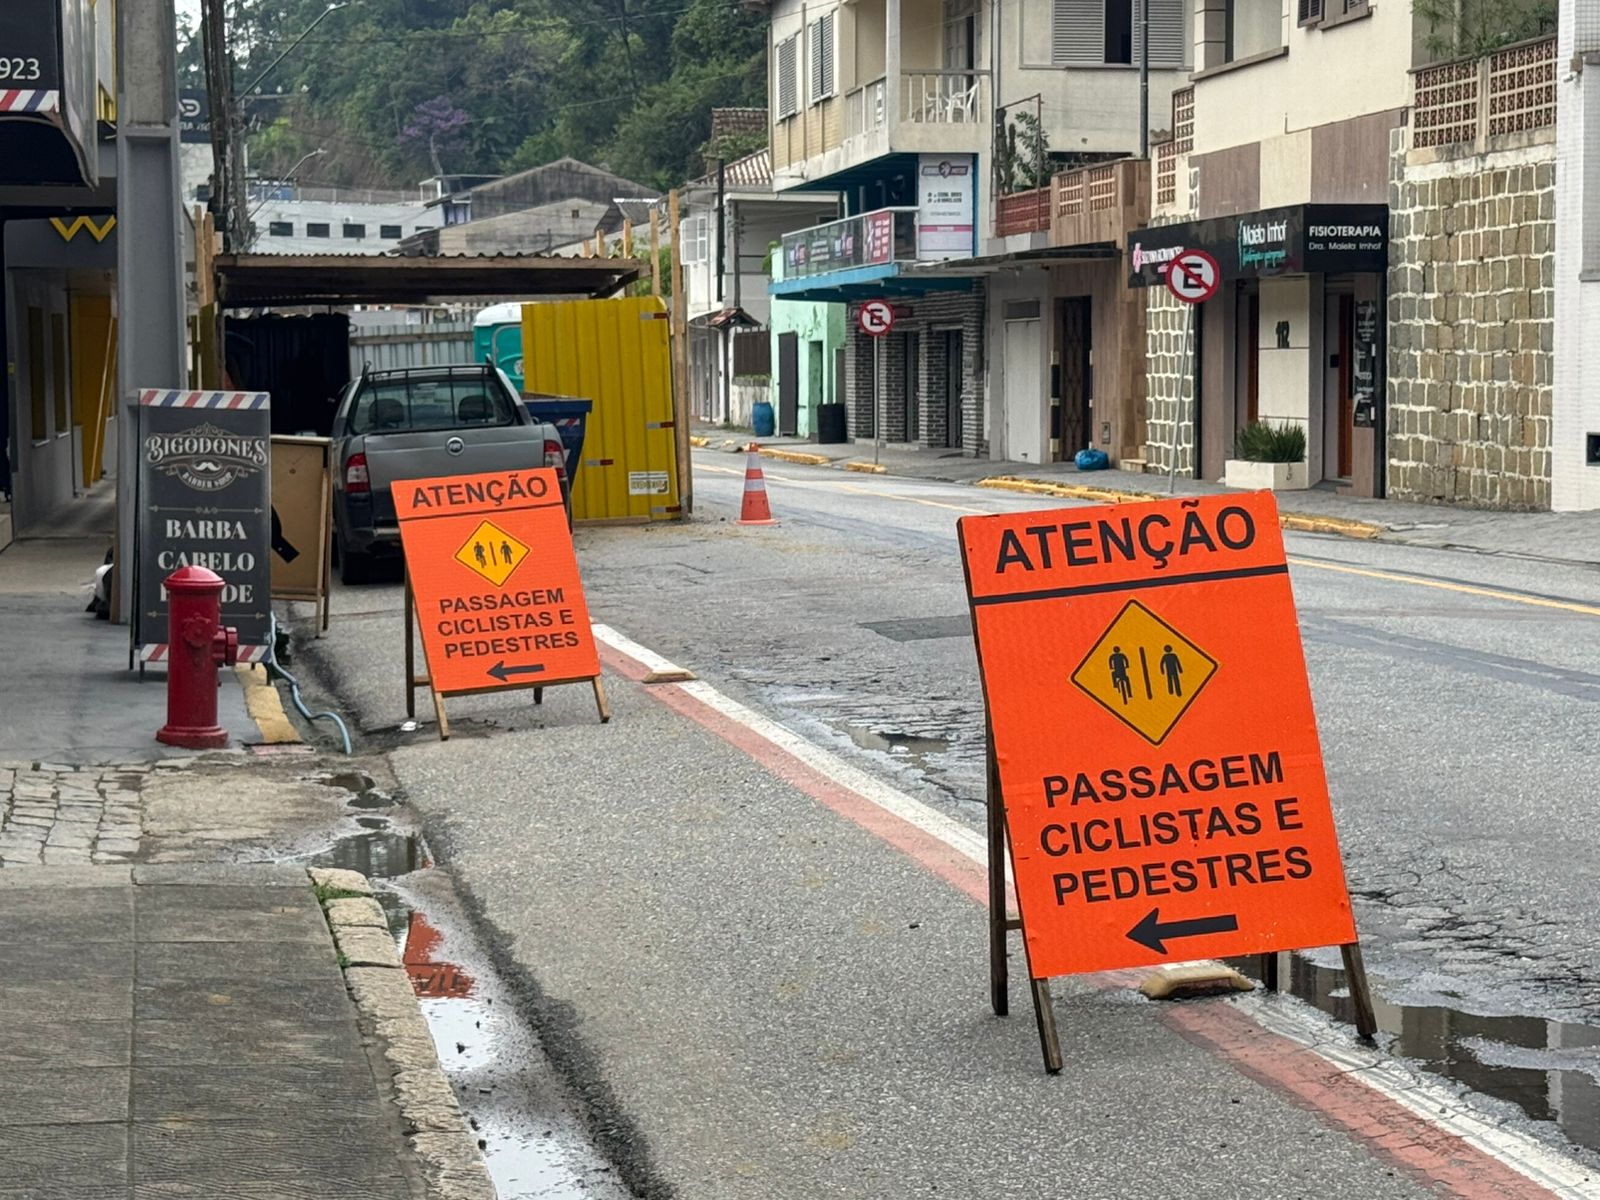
755, 510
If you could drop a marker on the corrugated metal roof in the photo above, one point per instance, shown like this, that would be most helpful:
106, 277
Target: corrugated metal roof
257, 280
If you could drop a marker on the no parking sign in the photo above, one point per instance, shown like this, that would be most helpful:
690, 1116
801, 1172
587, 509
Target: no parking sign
1193, 276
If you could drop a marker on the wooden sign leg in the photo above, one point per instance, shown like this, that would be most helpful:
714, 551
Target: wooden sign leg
600, 701
1044, 1013
1269, 970
999, 902
1355, 971
411, 654
444, 721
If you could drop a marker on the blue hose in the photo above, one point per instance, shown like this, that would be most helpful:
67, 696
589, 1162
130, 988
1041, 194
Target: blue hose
294, 689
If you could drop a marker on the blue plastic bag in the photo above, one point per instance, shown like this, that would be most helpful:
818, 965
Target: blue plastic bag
1091, 460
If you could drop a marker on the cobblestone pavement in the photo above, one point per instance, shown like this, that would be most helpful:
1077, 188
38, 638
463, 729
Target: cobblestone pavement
54, 814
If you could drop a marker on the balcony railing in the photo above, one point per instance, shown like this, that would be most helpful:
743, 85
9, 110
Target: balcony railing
883, 236
1022, 212
1099, 204
1181, 142
864, 109
1512, 90
941, 97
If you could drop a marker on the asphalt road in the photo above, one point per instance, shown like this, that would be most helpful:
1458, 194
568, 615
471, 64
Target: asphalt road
757, 999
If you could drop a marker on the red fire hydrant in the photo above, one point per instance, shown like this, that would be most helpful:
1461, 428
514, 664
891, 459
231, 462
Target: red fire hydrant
197, 644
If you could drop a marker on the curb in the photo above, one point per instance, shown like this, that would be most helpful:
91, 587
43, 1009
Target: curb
377, 981
1073, 491
1343, 526
265, 706
1295, 521
866, 468
796, 456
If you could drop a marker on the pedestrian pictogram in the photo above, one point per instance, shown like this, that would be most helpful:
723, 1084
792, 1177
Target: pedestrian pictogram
876, 318
1144, 672
1154, 768
1193, 276
492, 553
514, 617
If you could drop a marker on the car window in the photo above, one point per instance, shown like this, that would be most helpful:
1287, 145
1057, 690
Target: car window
411, 404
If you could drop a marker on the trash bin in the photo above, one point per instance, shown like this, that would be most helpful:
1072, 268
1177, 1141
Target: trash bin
831, 428
570, 415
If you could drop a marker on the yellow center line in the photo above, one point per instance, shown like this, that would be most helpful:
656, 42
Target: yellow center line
1467, 589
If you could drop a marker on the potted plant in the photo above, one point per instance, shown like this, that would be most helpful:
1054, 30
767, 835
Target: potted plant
1270, 457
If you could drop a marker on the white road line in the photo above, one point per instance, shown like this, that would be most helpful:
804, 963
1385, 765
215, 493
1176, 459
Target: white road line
1432, 1102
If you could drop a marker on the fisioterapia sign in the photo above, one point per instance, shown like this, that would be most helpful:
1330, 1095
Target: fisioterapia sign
1152, 723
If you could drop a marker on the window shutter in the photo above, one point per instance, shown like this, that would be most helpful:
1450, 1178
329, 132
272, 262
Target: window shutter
814, 46
1169, 43
1077, 32
1310, 10
819, 36
788, 84
825, 54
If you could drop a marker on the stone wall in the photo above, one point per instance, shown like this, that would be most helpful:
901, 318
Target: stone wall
1471, 325
929, 318
1169, 383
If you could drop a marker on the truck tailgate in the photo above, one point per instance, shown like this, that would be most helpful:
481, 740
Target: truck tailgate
395, 456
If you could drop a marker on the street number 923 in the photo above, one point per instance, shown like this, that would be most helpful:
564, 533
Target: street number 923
19, 68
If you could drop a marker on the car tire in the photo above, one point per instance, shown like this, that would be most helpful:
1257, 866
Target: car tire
355, 568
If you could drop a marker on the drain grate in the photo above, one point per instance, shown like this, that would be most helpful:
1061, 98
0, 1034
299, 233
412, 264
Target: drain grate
922, 629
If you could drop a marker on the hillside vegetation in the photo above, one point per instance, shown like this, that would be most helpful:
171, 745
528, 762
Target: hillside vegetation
396, 90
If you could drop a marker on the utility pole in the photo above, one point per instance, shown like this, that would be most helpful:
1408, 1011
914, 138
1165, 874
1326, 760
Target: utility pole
1144, 78
150, 302
680, 358
214, 45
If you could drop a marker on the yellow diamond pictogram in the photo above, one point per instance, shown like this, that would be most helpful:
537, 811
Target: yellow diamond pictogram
1144, 672
492, 553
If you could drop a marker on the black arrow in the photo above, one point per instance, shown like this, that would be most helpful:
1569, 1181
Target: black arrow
1152, 933
502, 672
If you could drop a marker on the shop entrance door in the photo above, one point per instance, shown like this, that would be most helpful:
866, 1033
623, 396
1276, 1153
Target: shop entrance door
952, 386
911, 346
1338, 412
1077, 375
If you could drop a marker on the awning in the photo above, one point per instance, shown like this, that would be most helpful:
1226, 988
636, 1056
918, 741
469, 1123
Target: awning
723, 318
993, 264
920, 278
258, 280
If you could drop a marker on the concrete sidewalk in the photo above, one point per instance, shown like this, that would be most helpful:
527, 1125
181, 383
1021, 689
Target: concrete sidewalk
1561, 537
70, 692
184, 1031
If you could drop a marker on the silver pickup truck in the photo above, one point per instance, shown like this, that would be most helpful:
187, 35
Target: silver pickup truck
417, 423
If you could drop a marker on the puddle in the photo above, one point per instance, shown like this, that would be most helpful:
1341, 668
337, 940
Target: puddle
364, 793
379, 851
533, 1146
902, 747
1548, 1069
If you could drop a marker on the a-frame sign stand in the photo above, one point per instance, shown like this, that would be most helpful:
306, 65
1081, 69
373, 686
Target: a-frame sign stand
415, 681
1001, 923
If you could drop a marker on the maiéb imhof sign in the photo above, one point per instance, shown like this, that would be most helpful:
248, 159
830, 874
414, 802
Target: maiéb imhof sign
1151, 718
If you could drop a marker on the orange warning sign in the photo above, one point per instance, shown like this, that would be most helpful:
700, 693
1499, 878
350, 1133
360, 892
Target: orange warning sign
1151, 718
499, 601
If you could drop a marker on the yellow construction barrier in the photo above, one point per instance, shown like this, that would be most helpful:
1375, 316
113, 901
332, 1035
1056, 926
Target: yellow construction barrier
614, 353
